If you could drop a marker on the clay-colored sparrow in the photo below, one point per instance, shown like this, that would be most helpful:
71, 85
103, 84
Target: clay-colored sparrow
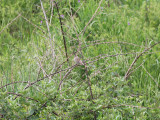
78, 61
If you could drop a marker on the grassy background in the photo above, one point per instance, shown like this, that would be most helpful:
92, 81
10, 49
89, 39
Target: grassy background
120, 31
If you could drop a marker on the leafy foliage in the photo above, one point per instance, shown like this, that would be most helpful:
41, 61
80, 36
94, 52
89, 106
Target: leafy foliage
37, 82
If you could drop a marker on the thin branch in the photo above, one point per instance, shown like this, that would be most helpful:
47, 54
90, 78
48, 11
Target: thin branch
79, 8
94, 15
150, 75
33, 24
10, 23
94, 43
22, 96
66, 76
136, 68
121, 105
47, 24
136, 58
51, 2
102, 57
32, 83
65, 45
72, 86
13, 83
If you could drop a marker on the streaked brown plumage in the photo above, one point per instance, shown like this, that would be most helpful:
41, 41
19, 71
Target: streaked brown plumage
78, 61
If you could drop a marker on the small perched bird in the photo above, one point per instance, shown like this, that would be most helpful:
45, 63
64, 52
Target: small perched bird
77, 60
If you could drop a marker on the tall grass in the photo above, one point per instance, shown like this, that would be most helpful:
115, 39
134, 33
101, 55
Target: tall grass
108, 37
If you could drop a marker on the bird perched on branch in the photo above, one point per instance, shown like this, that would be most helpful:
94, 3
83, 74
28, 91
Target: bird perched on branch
77, 60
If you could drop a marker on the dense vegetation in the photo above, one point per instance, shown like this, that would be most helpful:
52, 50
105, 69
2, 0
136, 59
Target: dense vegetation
117, 40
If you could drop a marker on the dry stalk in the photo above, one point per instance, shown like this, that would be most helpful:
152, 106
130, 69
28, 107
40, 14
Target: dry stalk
21, 96
13, 83
140, 107
136, 58
10, 23
150, 75
73, 86
99, 43
136, 68
38, 80
94, 15
64, 39
47, 24
33, 24
66, 76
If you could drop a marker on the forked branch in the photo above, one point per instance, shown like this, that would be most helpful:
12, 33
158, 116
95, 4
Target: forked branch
136, 58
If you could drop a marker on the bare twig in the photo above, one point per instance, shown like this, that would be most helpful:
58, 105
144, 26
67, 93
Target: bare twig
32, 83
66, 76
105, 56
136, 58
94, 15
150, 75
13, 83
79, 8
136, 68
72, 86
33, 24
41, 66
99, 43
65, 45
51, 2
10, 23
141, 107
47, 24
99, 71
21, 96
79, 88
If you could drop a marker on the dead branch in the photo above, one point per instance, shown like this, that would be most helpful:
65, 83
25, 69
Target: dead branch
10, 23
136, 58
